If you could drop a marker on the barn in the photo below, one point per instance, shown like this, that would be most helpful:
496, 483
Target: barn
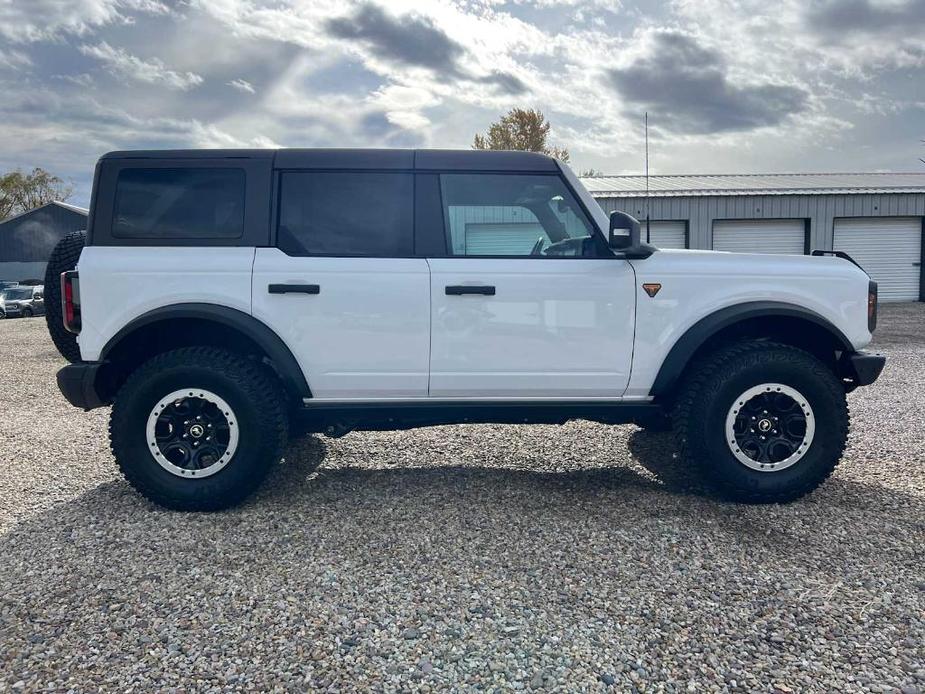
27, 239
878, 218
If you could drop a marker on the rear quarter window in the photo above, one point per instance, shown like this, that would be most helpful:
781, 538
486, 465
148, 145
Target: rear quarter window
187, 203
346, 213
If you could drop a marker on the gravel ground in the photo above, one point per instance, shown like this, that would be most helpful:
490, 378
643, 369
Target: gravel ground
471, 557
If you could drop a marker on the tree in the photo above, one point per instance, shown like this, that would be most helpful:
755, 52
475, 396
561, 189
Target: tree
521, 129
21, 192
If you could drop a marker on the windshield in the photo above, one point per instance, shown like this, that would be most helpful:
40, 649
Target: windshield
16, 294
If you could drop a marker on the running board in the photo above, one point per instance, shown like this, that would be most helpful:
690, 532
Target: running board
409, 414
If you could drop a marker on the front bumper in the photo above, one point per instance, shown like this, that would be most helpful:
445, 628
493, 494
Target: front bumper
860, 368
78, 383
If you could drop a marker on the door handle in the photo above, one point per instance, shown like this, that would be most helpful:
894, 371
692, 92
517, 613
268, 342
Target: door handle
294, 289
460, 289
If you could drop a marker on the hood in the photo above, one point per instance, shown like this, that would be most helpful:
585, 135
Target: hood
731, 265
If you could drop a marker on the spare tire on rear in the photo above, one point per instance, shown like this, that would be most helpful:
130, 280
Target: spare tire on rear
63, 258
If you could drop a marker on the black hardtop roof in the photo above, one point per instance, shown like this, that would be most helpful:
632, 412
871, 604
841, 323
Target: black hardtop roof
422, 159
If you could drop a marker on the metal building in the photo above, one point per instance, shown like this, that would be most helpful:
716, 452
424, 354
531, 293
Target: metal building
879, 218
27, 239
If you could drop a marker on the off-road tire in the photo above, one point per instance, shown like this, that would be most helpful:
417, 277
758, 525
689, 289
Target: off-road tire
253, 392
63, 257
716, 381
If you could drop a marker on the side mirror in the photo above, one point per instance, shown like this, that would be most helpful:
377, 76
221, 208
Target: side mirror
624, 231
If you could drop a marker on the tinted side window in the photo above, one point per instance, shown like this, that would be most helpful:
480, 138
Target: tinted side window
346, 213
189, 203
513, 215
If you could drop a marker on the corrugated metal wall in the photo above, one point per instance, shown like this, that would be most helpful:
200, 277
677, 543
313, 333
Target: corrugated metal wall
820, 210
31, 236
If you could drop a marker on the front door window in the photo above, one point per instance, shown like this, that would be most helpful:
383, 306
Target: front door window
513, 215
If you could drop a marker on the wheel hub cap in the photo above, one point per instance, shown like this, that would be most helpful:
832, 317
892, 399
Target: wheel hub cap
192, 433
770, 427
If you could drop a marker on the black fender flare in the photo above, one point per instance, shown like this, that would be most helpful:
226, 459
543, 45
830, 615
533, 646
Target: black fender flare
684, 348
263, 336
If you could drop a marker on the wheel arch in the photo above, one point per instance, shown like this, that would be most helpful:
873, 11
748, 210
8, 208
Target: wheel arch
778, 321
182, 325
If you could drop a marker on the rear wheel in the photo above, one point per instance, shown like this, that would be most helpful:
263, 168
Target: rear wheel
197, 429
765, 422
63, 257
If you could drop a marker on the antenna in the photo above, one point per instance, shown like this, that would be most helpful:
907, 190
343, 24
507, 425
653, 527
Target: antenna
648, 233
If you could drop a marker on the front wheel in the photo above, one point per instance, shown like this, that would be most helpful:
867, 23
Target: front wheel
765, 422
197, 429
27, 313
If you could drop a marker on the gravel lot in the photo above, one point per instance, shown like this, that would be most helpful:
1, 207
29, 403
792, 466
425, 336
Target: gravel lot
472, 557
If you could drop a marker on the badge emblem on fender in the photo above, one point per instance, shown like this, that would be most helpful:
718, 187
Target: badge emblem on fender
651, 288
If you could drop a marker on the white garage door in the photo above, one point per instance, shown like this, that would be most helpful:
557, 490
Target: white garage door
502, 239
889, 248
760, 236
666, 234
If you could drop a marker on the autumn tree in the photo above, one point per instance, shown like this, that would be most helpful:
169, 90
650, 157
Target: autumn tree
20, 192
526, 130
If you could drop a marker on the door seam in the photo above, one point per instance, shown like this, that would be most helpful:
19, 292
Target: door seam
430, 322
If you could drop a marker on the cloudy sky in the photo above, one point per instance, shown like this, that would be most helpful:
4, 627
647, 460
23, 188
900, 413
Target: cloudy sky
730, 85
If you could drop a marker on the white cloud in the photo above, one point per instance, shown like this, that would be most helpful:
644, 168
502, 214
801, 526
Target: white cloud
242, 85
13, 59
38, 20
411, 73
122, 64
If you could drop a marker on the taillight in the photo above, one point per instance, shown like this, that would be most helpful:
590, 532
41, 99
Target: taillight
872, 306
70, 301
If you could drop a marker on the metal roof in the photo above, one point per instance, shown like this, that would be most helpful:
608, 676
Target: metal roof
755, 184
72, 208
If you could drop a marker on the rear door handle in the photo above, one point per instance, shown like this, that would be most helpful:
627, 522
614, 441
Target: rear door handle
294, 289
460, 289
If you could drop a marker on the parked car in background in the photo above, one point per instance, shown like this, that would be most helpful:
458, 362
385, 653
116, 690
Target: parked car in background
23, 302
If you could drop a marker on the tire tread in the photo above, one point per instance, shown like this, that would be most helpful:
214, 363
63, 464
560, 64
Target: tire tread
63, 257
256, 382
706, 376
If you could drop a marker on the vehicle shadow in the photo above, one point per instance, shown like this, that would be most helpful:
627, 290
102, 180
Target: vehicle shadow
305, 497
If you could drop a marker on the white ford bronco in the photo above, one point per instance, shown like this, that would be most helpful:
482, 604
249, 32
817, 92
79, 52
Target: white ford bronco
223, 299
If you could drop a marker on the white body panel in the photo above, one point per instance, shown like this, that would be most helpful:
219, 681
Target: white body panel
889, 248
118, 284
554, 328
366, 335
698, 283
784, 236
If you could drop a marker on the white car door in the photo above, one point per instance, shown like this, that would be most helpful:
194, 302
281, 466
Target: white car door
358, 326
530, 303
